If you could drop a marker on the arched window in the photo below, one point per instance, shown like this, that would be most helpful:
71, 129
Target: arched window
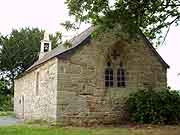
109, 75
121, 82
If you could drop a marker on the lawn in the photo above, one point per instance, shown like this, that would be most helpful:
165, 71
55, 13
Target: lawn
44, 130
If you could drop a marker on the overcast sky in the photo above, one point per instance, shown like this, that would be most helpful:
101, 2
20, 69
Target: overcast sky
47, 14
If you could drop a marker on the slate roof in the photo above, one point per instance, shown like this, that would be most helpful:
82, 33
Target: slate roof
76, 41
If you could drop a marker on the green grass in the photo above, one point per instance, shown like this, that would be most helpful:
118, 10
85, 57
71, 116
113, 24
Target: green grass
45, 130
8, 113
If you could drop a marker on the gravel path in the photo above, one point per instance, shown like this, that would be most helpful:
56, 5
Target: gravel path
8, 120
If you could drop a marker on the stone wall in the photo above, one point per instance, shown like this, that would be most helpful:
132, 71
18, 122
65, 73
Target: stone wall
82, 98
30, 104
72, 88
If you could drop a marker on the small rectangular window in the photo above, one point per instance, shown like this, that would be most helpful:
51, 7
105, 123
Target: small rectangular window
37, 83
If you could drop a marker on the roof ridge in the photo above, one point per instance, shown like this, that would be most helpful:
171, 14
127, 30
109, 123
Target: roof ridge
76, 41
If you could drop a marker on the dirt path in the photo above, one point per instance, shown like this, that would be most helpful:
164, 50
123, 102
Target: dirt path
8, 120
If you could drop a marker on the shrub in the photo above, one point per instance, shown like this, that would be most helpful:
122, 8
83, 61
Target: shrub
6, 103
148, 106
5, 96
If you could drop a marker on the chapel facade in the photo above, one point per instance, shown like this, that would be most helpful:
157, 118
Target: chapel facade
82, 85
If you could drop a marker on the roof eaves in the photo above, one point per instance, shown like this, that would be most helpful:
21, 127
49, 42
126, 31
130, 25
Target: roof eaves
41, 61
154, 50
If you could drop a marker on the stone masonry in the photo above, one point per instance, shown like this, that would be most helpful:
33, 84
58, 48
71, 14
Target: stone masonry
82, 97
72, 89
27, 104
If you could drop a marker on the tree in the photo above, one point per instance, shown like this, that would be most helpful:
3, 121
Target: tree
150, 16
20, 50
4, 90
5, 96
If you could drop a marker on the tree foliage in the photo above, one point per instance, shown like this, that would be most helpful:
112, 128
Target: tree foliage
5, 96
4, 90
20, 50
150, 16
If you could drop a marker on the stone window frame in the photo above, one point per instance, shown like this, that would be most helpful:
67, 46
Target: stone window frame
115, 77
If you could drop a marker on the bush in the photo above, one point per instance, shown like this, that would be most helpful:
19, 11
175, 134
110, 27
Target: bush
6, 103
148, 106
5, 96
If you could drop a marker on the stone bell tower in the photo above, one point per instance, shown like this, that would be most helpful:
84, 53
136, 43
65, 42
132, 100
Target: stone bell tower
46, 45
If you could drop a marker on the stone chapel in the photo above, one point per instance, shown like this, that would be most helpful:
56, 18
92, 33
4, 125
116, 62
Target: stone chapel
80, 85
